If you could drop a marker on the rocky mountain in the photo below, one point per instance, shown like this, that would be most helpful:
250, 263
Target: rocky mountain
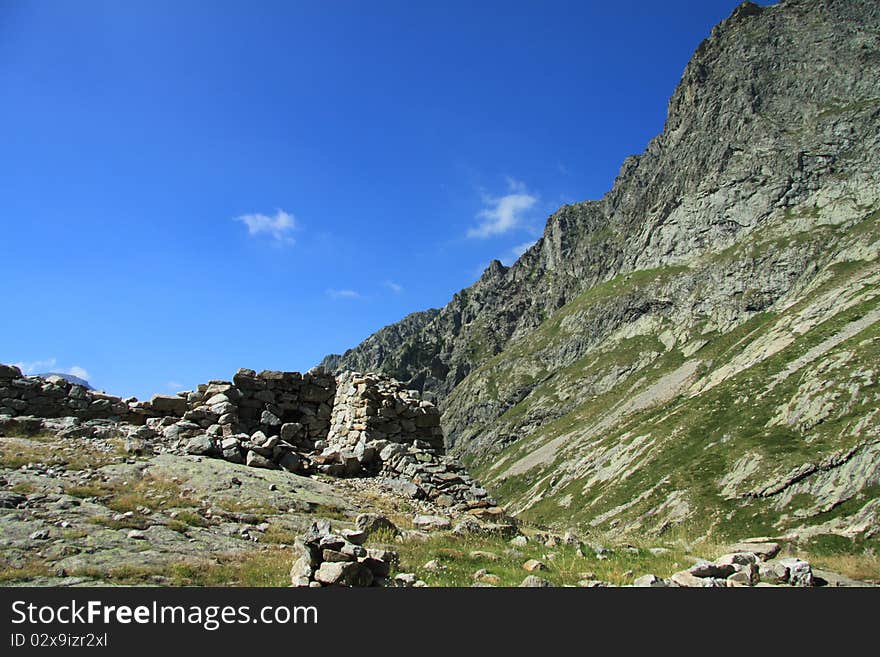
697, 350
70, 378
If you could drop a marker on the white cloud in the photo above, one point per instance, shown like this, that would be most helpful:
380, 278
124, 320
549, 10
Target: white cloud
503, 213
278, 227
343, 294
37, 366
79, 372
49, 365
394, 287
519, 249
174, 385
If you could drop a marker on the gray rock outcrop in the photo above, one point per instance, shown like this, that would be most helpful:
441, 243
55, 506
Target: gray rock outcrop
741, 245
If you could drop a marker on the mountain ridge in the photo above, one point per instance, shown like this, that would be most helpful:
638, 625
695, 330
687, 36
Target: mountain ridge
757, 201
70, 378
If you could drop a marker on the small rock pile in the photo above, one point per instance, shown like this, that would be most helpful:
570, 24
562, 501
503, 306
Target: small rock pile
749, 564
339, 559
421, 474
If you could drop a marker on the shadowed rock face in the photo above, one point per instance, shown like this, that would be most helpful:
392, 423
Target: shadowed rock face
741, 240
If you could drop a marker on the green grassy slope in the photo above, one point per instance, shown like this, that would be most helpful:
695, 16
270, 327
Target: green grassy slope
629, 411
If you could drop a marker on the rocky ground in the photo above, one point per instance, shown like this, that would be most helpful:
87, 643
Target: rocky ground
81, 504
88, 507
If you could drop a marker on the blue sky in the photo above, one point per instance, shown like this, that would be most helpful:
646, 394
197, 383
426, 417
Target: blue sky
187, 188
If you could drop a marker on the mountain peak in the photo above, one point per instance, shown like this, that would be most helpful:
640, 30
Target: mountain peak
699, 282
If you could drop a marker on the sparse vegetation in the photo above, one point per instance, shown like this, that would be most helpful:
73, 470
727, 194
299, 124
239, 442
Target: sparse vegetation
278, 535
266, 567
16, 452
92, 489
149, 492
620, 565
191, 519
233, 505
25, 572
130, 522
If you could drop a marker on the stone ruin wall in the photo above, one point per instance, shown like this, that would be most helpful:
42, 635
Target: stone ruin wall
371, 408
251, 402
54, 397
351, 425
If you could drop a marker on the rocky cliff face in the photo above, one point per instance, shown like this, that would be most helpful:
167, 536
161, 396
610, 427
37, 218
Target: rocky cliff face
697, 347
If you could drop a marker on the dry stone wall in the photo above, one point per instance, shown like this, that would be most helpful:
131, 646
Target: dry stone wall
267, 420
54, 397
301, 404
353, 425
372, 407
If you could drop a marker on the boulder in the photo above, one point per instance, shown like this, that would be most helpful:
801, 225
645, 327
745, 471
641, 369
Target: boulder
483, 576
331, 542
301, 572
650, 581
379, 567
405, 488
800, 572
350, 462
355, 536
229, 443
370, 523
742, 578
219, 398
270, 419
233, 454
687, 579
10, 500
9, 372
532, 581
291, 431
737, 558
201, 445
764, 551
468, 525
255, 460
350, 573
405, 580
168, 404
483, 555
353, 551
388, 556
712, 570
773, 572
290, 462
336, 555
432, 523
